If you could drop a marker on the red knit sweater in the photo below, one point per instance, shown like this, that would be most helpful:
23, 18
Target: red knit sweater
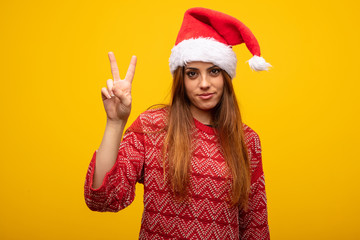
206, 214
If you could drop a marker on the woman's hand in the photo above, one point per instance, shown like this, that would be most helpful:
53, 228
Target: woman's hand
117, 96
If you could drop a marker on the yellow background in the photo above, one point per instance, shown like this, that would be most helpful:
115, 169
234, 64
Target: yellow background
306, 109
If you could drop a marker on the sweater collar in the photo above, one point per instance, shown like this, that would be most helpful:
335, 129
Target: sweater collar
204, 128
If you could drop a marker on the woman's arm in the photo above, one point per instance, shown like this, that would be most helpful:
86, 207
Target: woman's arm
108, 150
117, 189
254, 221
117, 103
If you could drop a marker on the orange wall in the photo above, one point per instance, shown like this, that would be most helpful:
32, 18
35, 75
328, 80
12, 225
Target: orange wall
305, 109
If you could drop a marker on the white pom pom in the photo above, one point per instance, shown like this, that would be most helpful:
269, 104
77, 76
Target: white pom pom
258, 63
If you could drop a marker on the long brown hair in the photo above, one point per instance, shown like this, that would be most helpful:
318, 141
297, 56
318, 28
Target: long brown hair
227, 121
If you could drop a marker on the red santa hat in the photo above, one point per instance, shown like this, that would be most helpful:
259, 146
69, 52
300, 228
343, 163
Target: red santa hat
208, 36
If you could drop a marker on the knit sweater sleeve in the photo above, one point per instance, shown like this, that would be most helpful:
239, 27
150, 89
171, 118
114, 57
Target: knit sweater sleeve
118, 188
254, 221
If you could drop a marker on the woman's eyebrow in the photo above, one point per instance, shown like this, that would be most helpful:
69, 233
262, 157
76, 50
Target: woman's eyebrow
215, 66
193, 68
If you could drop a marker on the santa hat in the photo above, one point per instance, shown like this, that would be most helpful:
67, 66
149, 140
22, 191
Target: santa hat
208, 36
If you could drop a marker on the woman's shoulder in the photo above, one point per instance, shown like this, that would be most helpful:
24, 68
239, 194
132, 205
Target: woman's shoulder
249, 132
156, 111
153, 119
252, 139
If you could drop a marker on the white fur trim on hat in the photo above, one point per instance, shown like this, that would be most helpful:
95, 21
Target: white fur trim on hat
204, 50
258, 63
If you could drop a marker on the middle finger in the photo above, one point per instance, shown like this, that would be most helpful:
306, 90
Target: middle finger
114, 67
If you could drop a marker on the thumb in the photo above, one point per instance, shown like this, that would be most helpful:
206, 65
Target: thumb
125, 97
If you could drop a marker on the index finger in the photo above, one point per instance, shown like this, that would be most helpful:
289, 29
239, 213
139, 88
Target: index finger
114, 67
131, 70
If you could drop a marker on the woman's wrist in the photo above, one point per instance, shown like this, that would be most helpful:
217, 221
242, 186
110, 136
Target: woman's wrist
116, 124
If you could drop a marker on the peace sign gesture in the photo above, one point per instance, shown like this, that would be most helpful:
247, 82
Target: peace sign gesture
117, 96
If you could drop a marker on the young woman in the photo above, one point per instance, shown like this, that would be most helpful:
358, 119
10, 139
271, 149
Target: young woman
200, 165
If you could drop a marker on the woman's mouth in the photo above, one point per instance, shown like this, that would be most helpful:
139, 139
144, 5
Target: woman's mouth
206, 96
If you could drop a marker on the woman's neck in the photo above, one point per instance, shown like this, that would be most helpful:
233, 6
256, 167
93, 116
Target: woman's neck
201, 115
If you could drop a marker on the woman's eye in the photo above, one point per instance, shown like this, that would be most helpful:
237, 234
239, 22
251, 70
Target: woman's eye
215, 71
191, 74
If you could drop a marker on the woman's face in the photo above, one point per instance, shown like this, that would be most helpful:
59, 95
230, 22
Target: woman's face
204, 84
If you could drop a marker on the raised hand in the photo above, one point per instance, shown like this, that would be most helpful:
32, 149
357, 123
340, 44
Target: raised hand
117, 96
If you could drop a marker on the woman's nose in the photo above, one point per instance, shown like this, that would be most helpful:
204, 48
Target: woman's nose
204, 84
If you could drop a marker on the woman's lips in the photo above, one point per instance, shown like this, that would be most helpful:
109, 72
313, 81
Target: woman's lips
205, 96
